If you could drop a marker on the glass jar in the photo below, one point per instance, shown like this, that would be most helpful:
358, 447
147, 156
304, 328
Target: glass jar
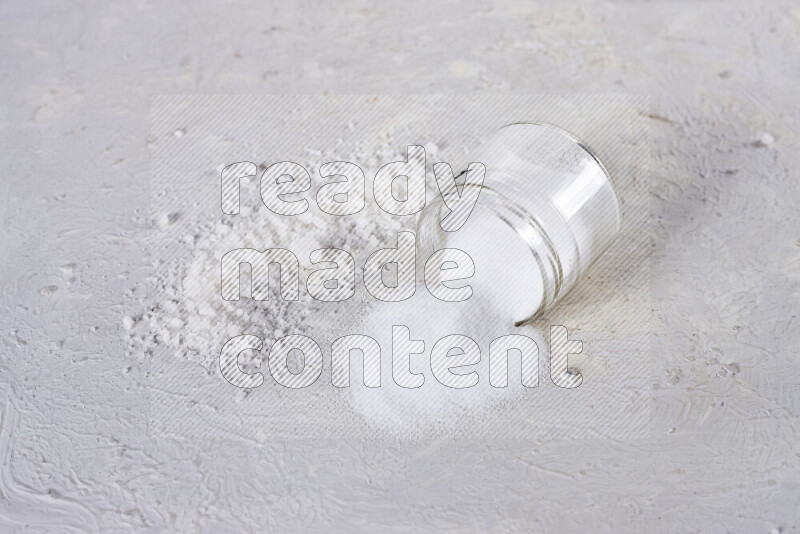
546, 211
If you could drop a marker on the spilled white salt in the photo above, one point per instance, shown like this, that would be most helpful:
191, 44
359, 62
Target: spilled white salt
186, 314
189, 318
415, 412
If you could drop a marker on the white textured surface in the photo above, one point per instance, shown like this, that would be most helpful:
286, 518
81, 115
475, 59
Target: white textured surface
76, 85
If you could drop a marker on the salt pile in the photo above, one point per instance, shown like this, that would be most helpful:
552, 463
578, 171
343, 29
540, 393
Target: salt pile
187, 316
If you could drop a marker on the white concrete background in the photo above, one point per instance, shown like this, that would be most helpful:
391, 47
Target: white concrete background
76, 80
